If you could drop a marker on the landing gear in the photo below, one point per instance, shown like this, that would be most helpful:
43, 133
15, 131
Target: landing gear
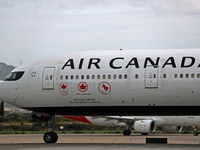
50, 137
126, 132
195, 133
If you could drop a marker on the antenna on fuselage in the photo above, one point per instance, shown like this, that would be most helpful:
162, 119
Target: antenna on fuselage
20, 63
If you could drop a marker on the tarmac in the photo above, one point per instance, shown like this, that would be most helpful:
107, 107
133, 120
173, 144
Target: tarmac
98, 142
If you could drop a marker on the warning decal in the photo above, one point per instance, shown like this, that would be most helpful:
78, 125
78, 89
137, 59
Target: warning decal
63, 88
104, 88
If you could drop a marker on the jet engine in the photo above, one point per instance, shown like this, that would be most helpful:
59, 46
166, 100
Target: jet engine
144, 126
171, 129
41, 116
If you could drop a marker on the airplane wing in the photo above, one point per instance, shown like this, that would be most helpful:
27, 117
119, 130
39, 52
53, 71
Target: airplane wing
126, 119
130, 120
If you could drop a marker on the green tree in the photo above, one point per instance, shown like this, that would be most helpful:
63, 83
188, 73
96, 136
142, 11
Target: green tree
15, 117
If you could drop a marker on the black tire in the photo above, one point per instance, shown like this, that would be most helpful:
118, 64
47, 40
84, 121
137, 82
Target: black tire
144, 133
195, 133
50, 137
56, 137
126, 132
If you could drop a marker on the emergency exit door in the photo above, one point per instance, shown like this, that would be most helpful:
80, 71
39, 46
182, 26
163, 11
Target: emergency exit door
48, 78
151, 77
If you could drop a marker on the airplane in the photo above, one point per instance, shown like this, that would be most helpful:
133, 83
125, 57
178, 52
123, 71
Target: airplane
140, 124
163, 82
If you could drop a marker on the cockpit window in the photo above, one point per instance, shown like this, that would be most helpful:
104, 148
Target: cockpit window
13, 76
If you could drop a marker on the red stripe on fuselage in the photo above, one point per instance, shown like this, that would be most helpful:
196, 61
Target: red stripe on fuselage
78, 118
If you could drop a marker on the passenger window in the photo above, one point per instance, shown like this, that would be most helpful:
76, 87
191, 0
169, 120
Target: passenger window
98, 76
198, 75
114, 76
181, 75
120, 76
72, 77
66, 77
136, 76
77, 77
61, 77
164, 75
187, 75
175, 76
93, 76
192, 75
88, 76
82, 77
125, 76
104, 76
109, 76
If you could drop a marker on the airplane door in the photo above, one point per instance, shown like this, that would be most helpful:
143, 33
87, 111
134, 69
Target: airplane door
48, 78
151, 77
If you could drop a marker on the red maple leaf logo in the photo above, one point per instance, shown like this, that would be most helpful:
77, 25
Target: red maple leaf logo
82, 86
63, 86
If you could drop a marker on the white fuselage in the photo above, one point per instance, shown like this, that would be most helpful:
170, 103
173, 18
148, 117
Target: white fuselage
128, 82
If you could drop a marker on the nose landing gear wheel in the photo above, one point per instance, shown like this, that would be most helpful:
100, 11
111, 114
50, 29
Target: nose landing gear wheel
50, 137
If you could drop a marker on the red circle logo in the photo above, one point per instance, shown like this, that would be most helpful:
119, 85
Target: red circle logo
104, 88
63, 88
82, 87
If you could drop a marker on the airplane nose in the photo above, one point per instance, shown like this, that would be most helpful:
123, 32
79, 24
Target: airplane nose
0, 89
3, 90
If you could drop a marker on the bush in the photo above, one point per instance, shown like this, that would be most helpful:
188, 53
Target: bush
13, 117
1, 118
1, 127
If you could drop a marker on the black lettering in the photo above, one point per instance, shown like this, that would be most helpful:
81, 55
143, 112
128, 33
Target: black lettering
70, 63
94, 63
112, 61
183, 65
81, 63
134, 59
148, 59
170, 61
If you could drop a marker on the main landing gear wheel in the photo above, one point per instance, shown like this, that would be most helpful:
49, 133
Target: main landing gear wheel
126, 132
50, 137
195, 133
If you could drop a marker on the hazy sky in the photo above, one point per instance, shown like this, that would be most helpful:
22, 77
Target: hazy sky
34, 29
